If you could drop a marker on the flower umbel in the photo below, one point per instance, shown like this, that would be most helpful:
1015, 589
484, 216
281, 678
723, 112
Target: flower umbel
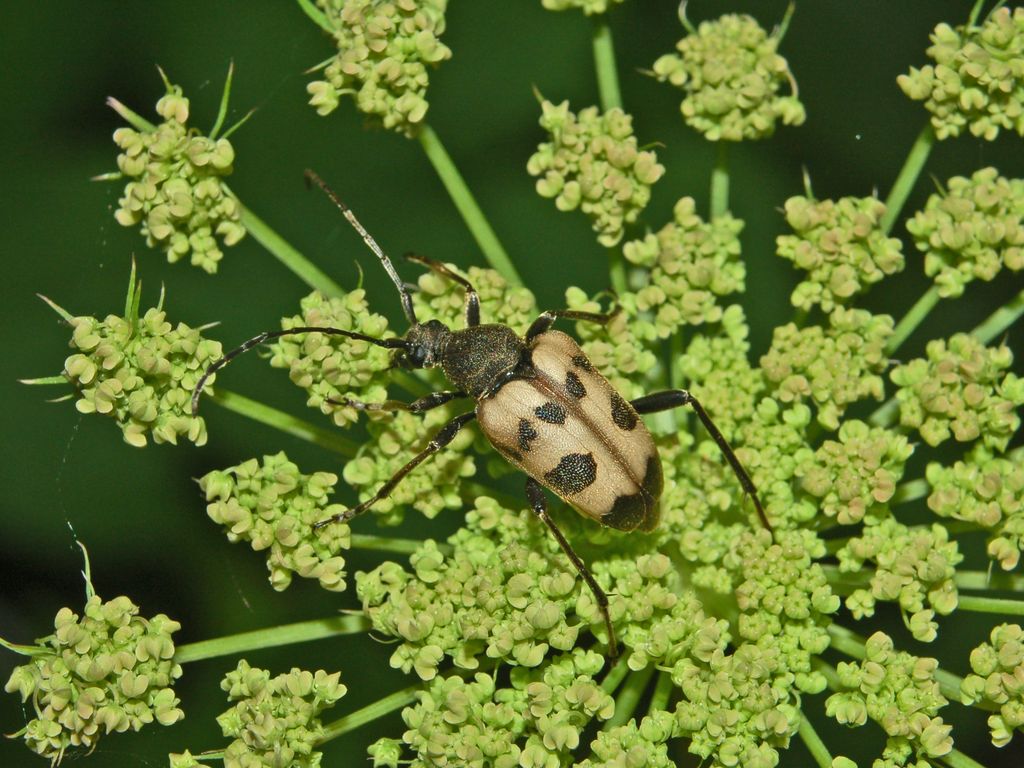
176, 192
385, 50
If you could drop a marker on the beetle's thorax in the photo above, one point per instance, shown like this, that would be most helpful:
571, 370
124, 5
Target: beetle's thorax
478, 360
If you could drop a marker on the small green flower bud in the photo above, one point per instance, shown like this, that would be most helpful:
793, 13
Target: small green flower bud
589, 7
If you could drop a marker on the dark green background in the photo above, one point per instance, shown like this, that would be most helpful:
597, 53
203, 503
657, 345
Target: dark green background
68, 477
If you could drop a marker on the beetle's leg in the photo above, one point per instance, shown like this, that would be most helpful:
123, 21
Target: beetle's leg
425, 403
266, 336
535, 495
674, 398
443, 436
472, 298
546, 319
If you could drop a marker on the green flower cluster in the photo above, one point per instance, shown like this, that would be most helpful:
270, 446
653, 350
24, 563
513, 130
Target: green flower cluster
385, 49
394, 440
593, 163
333, 368
842, 247
106, 671
971, 231
632, 745
276, 721
535, 721
833, 366
273, 506
506, 592
731, 74
140, 371
176, 190
589, 7
988, 491
688, 264
977, 81
900, 693
854, 477
963, 389
998, 681
443, 299
913, 567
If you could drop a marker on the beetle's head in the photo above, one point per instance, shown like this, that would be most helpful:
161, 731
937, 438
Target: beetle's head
425, 344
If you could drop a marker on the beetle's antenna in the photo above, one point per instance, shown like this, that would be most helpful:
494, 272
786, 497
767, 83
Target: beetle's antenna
410, 314
255, 341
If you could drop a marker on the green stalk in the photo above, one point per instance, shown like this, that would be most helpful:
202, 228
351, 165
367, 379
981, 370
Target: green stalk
907, 177
914, 317
271, 637
285, 422
1011, 582
814, 744
662, 693
604, 63
1000, 605
467, 206
1000, 320
395, 546
318, 16
306, 271
720, 182
614, 677
370, 712
957, 759
628, 697
885, 414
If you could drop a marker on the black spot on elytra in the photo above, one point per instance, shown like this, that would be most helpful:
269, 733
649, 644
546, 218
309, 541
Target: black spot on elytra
550, 412
622, 414
580, 361
574, 472
574, 386
638, 510
526, 434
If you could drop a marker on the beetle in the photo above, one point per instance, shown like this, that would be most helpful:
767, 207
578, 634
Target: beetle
539, 402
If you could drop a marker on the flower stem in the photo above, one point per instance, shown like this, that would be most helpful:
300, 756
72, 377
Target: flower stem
629, 696
285, 422
957, 759
467, 206
720, 182
604, 63
907, 177
885, 413
814, 744
914, 317
394, 545
370, 712
662, 693
306, 271
999, 605
1000, 320
615, 676
1011, 582
272, 637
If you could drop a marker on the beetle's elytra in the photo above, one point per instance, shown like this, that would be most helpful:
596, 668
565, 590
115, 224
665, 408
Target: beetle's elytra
540, 403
